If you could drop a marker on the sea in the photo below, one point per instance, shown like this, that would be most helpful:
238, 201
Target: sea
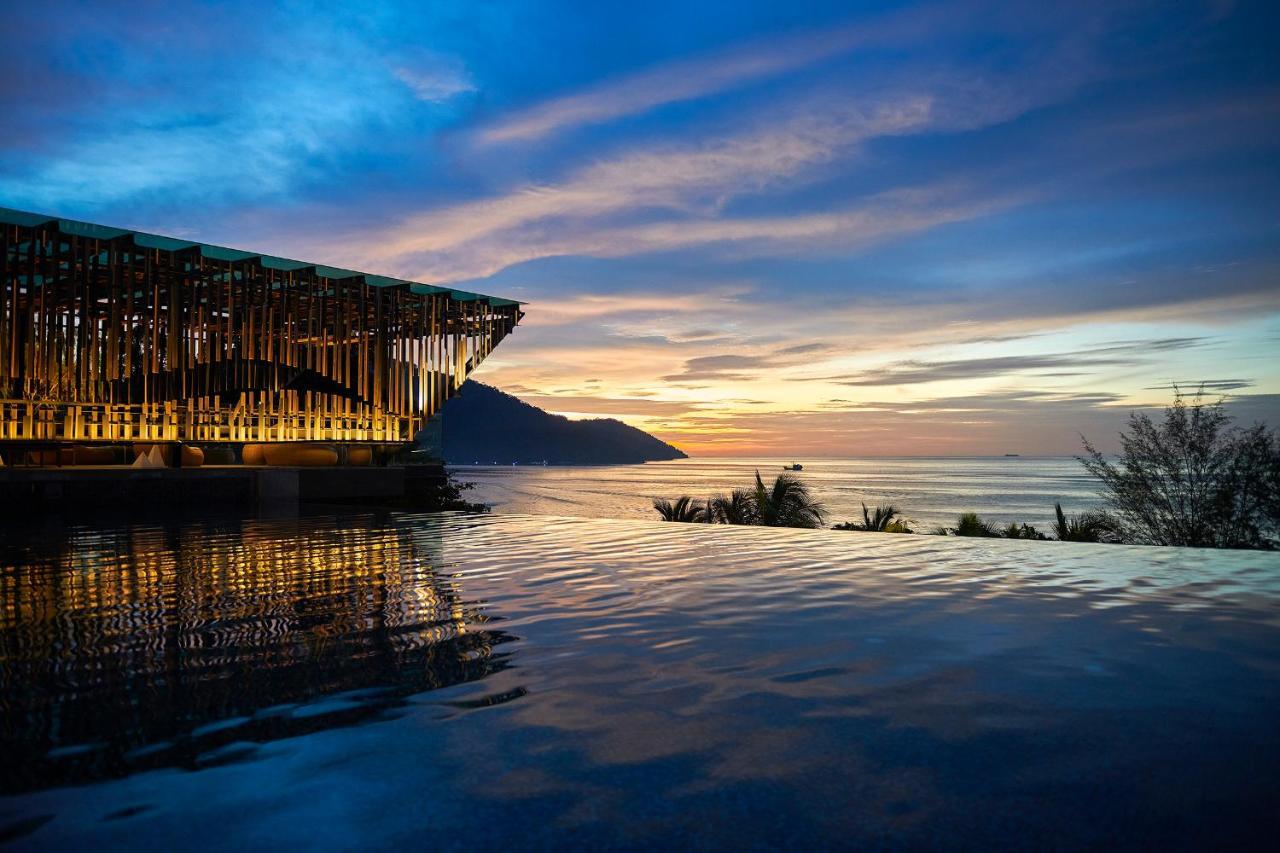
928, 491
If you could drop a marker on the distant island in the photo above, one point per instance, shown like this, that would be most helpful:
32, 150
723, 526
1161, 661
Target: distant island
485, 425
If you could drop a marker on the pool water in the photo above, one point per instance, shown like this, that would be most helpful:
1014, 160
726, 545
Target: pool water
451, 681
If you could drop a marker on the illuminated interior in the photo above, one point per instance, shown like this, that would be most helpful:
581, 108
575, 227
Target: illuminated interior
109, 335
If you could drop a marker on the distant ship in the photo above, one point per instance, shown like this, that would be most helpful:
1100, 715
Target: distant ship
1012, 454
794, 466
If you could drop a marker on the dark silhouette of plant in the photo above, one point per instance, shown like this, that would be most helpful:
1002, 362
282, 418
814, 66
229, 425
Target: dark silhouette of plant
969, 524
1192, 480
684, 509
1271, 483
739, 507
1085, 527
885, 519
445, 494
787, 504
1022, 531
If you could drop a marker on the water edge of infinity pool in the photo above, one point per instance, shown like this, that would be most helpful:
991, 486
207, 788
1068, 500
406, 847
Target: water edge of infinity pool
370, 679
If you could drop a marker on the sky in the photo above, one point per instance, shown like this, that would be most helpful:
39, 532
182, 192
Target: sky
747, 227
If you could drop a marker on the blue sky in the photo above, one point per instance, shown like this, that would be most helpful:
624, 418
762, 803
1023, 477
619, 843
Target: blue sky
748, 227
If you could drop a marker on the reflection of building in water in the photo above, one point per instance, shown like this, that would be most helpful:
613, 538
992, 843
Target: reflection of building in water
136, 639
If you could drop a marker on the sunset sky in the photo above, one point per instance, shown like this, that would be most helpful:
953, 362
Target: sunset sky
747, 227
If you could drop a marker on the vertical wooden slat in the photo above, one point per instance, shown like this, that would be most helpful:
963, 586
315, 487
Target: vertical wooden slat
101, 339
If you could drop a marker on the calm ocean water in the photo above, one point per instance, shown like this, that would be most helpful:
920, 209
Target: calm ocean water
929, 491
518, 682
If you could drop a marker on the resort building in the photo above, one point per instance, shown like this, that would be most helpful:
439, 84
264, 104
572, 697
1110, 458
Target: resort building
112, 336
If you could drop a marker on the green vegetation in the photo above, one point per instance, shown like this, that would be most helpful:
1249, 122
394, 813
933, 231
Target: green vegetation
969, 524
1086, 527
1192, 480
446, 495
737, 508
1022, 531
885, 519
684, 509
787, 503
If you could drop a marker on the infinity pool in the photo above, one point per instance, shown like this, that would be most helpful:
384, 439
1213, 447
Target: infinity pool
475, 681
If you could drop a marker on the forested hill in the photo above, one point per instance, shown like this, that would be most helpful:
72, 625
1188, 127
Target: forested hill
484, 425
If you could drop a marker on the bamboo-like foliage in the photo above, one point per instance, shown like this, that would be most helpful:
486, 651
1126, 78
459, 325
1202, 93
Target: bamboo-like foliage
108, 338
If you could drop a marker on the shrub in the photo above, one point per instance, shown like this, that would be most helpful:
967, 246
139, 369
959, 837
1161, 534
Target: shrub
885, 519
969, 524
1086, 527
1022, 531
1192, 480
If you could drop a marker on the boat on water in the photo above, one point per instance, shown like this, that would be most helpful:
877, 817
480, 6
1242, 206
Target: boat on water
1011, 455
794, 466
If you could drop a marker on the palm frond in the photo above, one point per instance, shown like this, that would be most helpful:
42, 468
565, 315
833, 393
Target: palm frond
969, 524
1086, 527
684, 509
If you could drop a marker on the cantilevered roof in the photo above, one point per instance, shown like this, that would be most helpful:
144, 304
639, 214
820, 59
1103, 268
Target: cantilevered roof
25, 219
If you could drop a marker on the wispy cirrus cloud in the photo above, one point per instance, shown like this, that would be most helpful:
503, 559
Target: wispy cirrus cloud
740, 65
603, 405
878, 218
912, 372
667, 197
701, 76
675, 193
435, 77
737, 367
585, 307
1210, 385
671, 176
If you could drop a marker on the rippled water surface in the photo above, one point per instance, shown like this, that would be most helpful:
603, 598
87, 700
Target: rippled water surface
928, 492
466, 682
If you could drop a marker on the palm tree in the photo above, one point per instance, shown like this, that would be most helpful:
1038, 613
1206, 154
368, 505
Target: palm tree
885, 519
1086, 527
787, 504
738, 508
969, 524
684, 509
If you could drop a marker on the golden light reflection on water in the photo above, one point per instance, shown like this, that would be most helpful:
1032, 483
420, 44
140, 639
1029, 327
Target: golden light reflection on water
762, 687
117, 647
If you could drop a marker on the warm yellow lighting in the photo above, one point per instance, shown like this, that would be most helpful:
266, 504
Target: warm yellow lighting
106, 340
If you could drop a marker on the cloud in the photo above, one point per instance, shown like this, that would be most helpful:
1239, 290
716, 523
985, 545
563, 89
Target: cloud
737, 367
578, 404
804, 349
698, 77
737, 66
435, 78
696, 335
1192, 385
911, 372
287, 110
722, 367
479, 237
576, 233
585, 307
1030, 423
664, 196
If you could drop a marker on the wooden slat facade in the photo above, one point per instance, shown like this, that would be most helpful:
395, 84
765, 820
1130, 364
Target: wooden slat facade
108, 339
